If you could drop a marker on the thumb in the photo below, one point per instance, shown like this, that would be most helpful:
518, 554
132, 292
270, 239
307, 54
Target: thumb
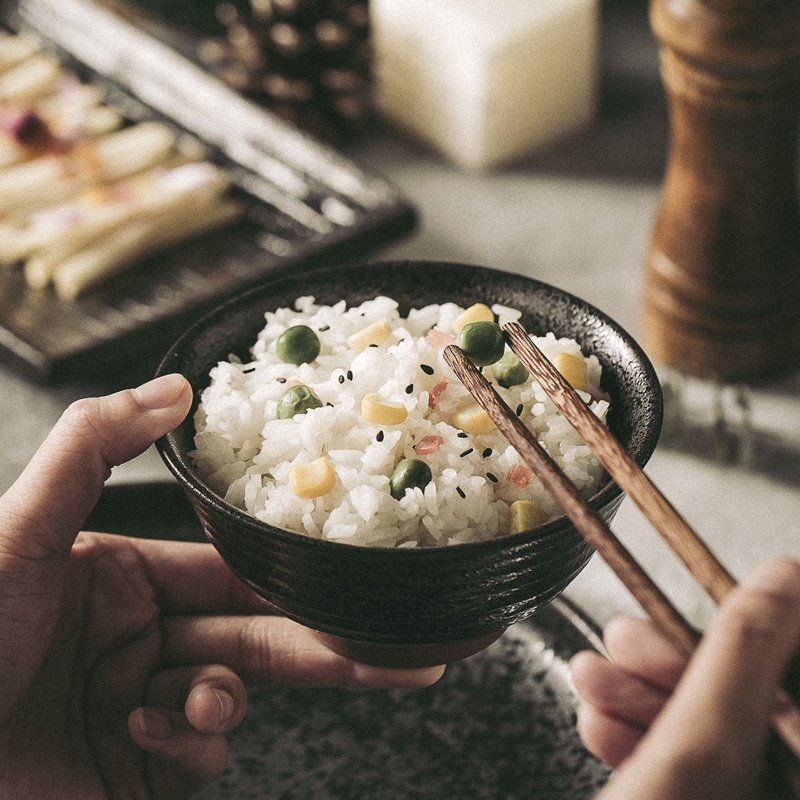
47, 505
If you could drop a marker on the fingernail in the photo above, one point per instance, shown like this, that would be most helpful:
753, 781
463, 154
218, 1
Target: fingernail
225, 703
154, 724
160, 392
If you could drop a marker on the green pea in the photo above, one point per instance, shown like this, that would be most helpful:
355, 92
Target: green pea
509, 371
297, 345
482, 342
410, 472
297, 400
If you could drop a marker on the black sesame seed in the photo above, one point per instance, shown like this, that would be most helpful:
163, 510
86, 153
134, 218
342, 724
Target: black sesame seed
426, 368
349, 374
379, 437
491, 477
409, 388
323, 328
460, 492
465, 453
329, 404
373, 345
487, 452
519, 409
248, 370
341, 379
281, 380
461, 435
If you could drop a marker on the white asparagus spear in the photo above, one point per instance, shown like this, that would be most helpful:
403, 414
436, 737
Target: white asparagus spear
22, 235
31, 78
162, 195
24, 230
18, 242
16, 48
66, 106
75, 109
130, 150
98, 121
48, 179
114, 235
132, 243
61, 102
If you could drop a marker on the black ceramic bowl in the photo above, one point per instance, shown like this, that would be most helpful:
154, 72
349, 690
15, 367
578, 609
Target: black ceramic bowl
411, 606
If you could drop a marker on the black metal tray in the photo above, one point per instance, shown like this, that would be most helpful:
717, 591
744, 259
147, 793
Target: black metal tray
307, 203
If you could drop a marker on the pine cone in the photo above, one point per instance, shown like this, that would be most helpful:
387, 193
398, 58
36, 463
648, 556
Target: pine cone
307, 60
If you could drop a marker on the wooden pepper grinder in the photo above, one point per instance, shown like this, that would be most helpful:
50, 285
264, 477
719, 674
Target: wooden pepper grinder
722, 277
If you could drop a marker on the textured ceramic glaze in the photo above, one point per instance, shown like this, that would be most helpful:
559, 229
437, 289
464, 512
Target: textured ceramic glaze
406, 597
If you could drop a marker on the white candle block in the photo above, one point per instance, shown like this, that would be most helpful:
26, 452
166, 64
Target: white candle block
486, 81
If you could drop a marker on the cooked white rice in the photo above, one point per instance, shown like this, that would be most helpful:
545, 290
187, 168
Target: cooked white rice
245, 453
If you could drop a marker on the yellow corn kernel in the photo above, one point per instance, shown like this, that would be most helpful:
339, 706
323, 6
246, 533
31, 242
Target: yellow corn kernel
372, 334
313, 479
573, 368
471, 418
376, 410
525, 514
475, 313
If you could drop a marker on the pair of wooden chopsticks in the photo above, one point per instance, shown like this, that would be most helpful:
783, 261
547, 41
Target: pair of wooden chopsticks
684, 542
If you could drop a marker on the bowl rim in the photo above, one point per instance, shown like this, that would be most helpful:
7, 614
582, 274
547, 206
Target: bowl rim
179, 464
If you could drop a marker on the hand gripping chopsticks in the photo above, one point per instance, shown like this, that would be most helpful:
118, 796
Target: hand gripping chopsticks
679, 536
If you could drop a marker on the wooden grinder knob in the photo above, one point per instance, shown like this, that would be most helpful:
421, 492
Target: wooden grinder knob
722, 277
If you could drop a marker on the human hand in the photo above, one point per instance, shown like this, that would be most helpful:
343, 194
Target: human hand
699, 730
123, 661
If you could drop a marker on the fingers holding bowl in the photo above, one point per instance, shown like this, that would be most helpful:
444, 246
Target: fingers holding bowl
276, 650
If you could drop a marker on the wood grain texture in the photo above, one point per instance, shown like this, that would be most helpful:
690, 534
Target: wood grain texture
702, 564
721, 292
586, 520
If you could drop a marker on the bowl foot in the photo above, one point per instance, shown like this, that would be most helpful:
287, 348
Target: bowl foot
405, 656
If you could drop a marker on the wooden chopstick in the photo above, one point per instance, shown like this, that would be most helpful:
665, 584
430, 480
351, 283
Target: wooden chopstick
707, 570
583, 516
682, 540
